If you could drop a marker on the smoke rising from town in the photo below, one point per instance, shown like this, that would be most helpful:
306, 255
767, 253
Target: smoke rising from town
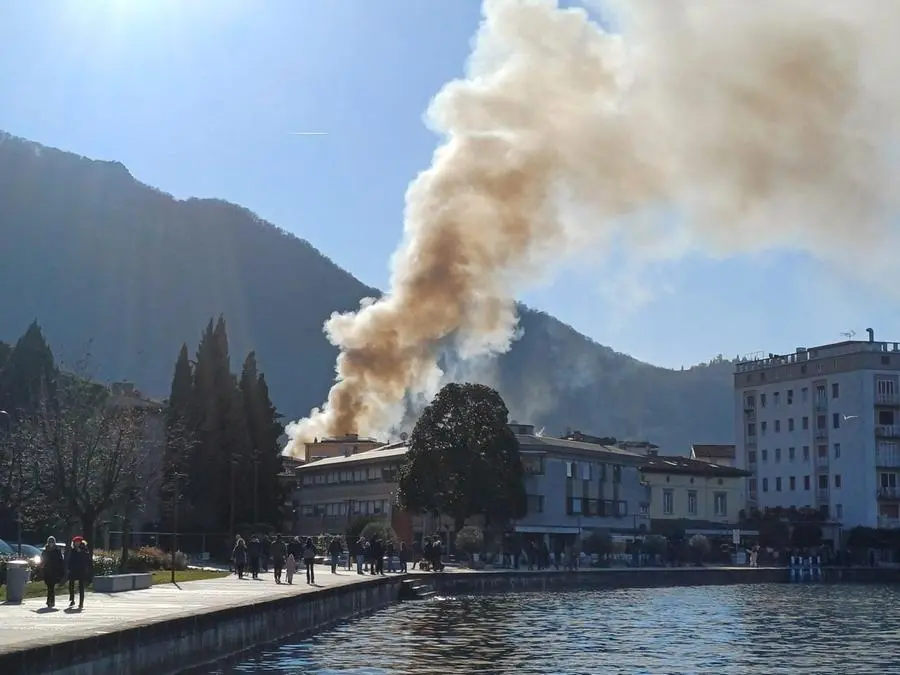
752, 125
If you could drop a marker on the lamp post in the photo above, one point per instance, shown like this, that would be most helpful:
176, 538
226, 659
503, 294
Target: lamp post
176, 496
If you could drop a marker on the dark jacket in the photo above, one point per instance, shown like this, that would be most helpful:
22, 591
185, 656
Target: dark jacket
278, 551
79, 563
52, 564
253, 549
239, 553
335, 548
309, 552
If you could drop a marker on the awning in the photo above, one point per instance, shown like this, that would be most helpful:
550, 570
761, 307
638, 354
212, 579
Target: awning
547, 529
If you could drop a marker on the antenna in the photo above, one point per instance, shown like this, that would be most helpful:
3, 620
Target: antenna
849, 334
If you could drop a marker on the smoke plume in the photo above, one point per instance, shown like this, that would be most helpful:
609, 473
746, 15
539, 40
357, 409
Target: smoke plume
752, 125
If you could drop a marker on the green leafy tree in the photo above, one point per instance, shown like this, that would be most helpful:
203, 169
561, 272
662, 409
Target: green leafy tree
806, 535
380, 529
700, 547
598, 542
470, 540
463, 459
356, 527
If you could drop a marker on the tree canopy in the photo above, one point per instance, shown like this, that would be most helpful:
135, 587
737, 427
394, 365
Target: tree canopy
463, 458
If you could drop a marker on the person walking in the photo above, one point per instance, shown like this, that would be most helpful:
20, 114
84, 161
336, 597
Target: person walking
404, 556
309, 560
54, 568
278, 551
254, 553
360, 555
290, 566
79, 565
335, 549
239, 556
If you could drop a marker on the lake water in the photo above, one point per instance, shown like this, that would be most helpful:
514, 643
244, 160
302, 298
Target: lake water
744, 630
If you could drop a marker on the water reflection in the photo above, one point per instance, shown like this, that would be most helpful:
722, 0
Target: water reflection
744, 630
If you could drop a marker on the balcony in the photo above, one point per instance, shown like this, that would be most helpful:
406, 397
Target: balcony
887, 431
750, 414
751, 466
822, 461
750, 442
887, 398
887, 523
889, 493
822, 495
887, 460
821, 405
821, 434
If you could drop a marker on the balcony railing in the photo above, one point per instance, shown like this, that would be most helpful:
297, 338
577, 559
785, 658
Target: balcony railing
887, 460
821, 405
887, 398
750, 442
822, 461
751, 414
887, 431
822, 494
886, 523
889, 493
821, 434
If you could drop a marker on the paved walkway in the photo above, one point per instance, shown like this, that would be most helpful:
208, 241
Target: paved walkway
31, 624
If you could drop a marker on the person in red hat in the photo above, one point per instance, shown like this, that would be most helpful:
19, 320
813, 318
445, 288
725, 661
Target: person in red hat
79, 565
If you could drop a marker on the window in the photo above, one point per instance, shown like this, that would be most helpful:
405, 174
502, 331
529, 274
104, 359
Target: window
762, 428
750, 402
886, 417
837, 481
753, 485
777, 454
837, 450
574, 506
720, 503
307, 510
790, 396
762, 400
778, 484
790, 423
822, 451
777, 426
835, 420
791, 453
617, 473
820, 395
885, 387
586, 471
765, 484
751, 429
888, 480
805, 453
823, 482
692, 502
765, 455
838, 511
805, 423
570, 469
751, 457
806, 482
668, 502
792, 482
885, 360
535, 503
533, 465
804, 394
835, 390
775, 398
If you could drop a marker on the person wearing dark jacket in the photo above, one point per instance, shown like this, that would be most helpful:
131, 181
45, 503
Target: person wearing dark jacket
79, 565
309, 560
53, 567
254, 552
335, 549
278, 552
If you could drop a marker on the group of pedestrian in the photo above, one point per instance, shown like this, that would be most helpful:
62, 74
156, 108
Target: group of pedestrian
370, 555
57, 566
283, 553
432, 554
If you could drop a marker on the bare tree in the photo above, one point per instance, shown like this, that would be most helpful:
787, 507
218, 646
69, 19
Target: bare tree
21, 493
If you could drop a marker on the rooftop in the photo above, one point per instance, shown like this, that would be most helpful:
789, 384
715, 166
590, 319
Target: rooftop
383, 453
761, 361
690, 467
713, 451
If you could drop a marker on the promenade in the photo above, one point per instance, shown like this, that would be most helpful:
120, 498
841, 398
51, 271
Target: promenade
31, 624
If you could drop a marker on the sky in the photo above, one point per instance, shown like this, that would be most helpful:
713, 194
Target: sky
199, 98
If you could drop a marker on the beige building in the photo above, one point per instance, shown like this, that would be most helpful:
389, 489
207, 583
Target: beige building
342, 446
723, 455
693, 490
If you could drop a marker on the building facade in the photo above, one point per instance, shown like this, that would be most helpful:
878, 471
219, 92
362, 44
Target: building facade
820, 428
694, 490
341, 446
723, 455
573, 487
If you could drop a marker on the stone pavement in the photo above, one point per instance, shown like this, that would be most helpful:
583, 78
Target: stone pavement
31, 624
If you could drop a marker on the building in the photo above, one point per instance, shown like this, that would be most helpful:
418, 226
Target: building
573, 487
341, 446
723, 455
705, 494
819, 428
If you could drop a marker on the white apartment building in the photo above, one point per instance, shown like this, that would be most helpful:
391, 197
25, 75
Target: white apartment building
820, 428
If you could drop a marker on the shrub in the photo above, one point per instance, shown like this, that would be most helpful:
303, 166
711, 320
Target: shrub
598, 542
655, 544
699, 546
469, 540
380, 529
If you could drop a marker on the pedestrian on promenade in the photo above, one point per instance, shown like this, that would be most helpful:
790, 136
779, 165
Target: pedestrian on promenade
239, 556
54, 568
389, 551
309, 560
377, 556
404, 554
79, 565
253, 554
360, 554
278, 552
335, 549
290, 566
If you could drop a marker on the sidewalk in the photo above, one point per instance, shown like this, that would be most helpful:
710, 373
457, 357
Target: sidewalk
31, 624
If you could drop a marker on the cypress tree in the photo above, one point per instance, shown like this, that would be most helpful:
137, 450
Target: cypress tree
28, 376
180, 430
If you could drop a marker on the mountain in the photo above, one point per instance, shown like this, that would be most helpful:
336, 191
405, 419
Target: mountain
127, 272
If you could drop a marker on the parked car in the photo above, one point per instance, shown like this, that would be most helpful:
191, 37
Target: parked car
32, 553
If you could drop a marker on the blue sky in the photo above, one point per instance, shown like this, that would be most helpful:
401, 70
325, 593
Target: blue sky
198, 98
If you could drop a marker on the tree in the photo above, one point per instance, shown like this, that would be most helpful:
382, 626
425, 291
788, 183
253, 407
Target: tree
379, 529
463, 459
356, 526
806, 535
599, 543
28, 375
470, 540
655, 545
700, 547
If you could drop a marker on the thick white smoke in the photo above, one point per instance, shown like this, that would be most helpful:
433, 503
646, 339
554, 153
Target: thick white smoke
759, 124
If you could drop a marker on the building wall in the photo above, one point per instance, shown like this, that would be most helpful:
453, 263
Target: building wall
845, 460
704, 489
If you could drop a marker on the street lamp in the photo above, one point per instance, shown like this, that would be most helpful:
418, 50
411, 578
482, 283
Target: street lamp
176, 495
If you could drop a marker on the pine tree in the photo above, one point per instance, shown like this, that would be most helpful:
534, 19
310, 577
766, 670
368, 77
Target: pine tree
28, 377
180, 431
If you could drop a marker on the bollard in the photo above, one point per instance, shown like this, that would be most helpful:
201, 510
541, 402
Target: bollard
17, 576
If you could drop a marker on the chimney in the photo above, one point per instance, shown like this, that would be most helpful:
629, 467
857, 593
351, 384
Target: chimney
871, 334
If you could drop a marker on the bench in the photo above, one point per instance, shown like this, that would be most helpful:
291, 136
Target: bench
117, 583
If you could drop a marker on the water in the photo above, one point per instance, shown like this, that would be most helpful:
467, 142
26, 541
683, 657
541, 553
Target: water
745, 630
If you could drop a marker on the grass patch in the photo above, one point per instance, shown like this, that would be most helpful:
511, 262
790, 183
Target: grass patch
37, 589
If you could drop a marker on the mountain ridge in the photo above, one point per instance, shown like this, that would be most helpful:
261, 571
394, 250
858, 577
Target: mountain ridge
108, 260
